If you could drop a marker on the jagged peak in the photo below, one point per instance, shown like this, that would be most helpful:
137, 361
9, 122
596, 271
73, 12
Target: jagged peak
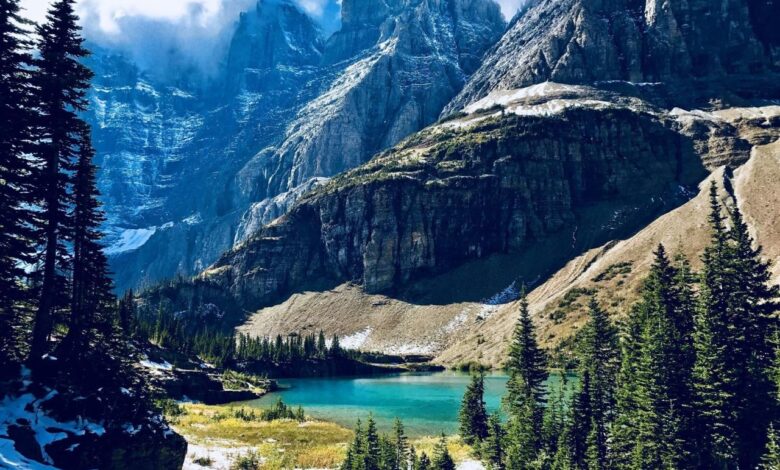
587, 41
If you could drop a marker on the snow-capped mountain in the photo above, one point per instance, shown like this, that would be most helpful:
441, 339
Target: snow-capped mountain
188, 164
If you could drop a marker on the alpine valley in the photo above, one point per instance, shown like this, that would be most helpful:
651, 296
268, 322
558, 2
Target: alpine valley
591, 126
566, 217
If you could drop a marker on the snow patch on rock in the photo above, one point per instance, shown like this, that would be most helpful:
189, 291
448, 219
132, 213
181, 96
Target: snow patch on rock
165, 365
131, 239
356, 340
490, 306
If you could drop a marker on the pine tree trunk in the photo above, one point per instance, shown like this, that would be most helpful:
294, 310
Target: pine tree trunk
43, 317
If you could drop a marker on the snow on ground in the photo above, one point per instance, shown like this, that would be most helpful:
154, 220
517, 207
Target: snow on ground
355, 340
194, 219
505, 97
26, 408
11, 459
411, 348
458, 321
131, 239
221, 455
470, 465
165, 365
491, 305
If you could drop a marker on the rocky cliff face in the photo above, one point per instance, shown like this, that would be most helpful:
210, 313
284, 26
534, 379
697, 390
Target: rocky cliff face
394, 65
181, 168
669, 43
462, 191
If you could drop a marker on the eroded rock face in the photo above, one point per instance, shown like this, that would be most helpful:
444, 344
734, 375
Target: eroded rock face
399, 63
455, 194
668, 41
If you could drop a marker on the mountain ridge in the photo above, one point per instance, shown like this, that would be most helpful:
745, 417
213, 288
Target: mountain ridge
159, 142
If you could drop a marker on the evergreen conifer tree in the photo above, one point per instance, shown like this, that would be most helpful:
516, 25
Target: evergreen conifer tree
322, 347
424, 463
372, 450
473, 414
17, 175
660, 410
771, 459
493, 448
526, 392
62, 82
400, 447
753, 303
714, 375
555, 418
595, 406
442, 460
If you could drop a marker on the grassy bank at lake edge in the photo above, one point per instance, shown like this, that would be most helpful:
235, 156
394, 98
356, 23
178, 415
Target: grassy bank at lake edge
216, 435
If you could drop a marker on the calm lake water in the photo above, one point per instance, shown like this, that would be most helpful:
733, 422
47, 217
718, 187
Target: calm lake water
427, 403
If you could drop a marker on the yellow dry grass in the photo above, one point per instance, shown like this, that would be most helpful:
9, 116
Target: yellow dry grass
282, 443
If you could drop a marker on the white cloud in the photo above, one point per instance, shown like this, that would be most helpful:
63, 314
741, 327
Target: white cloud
510, 7
109, 13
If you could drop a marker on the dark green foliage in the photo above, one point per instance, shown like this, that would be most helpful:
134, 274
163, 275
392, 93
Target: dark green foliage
290, 349
442, 460
771, 459
424, 463
526, 392
595, 405
473, 414
613, 271
654, 428
492, 449
571, 298
734, 327
555, 418
62, 315
279, 411
17, 176
400, 447
62, 82
369, 450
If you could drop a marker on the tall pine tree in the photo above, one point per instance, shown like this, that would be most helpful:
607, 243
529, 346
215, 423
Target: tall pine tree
752, 305
599, 365
17, 174
526, 392
62, 82
662, 387
473, 413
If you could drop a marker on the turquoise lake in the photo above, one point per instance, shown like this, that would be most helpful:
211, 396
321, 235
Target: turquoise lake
427, 403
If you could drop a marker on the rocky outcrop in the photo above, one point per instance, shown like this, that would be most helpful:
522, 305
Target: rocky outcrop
160, 140
534, 174
398, 63
690, 45
461, 191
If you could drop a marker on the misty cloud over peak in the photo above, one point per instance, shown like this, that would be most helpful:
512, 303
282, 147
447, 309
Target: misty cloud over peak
164, 36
